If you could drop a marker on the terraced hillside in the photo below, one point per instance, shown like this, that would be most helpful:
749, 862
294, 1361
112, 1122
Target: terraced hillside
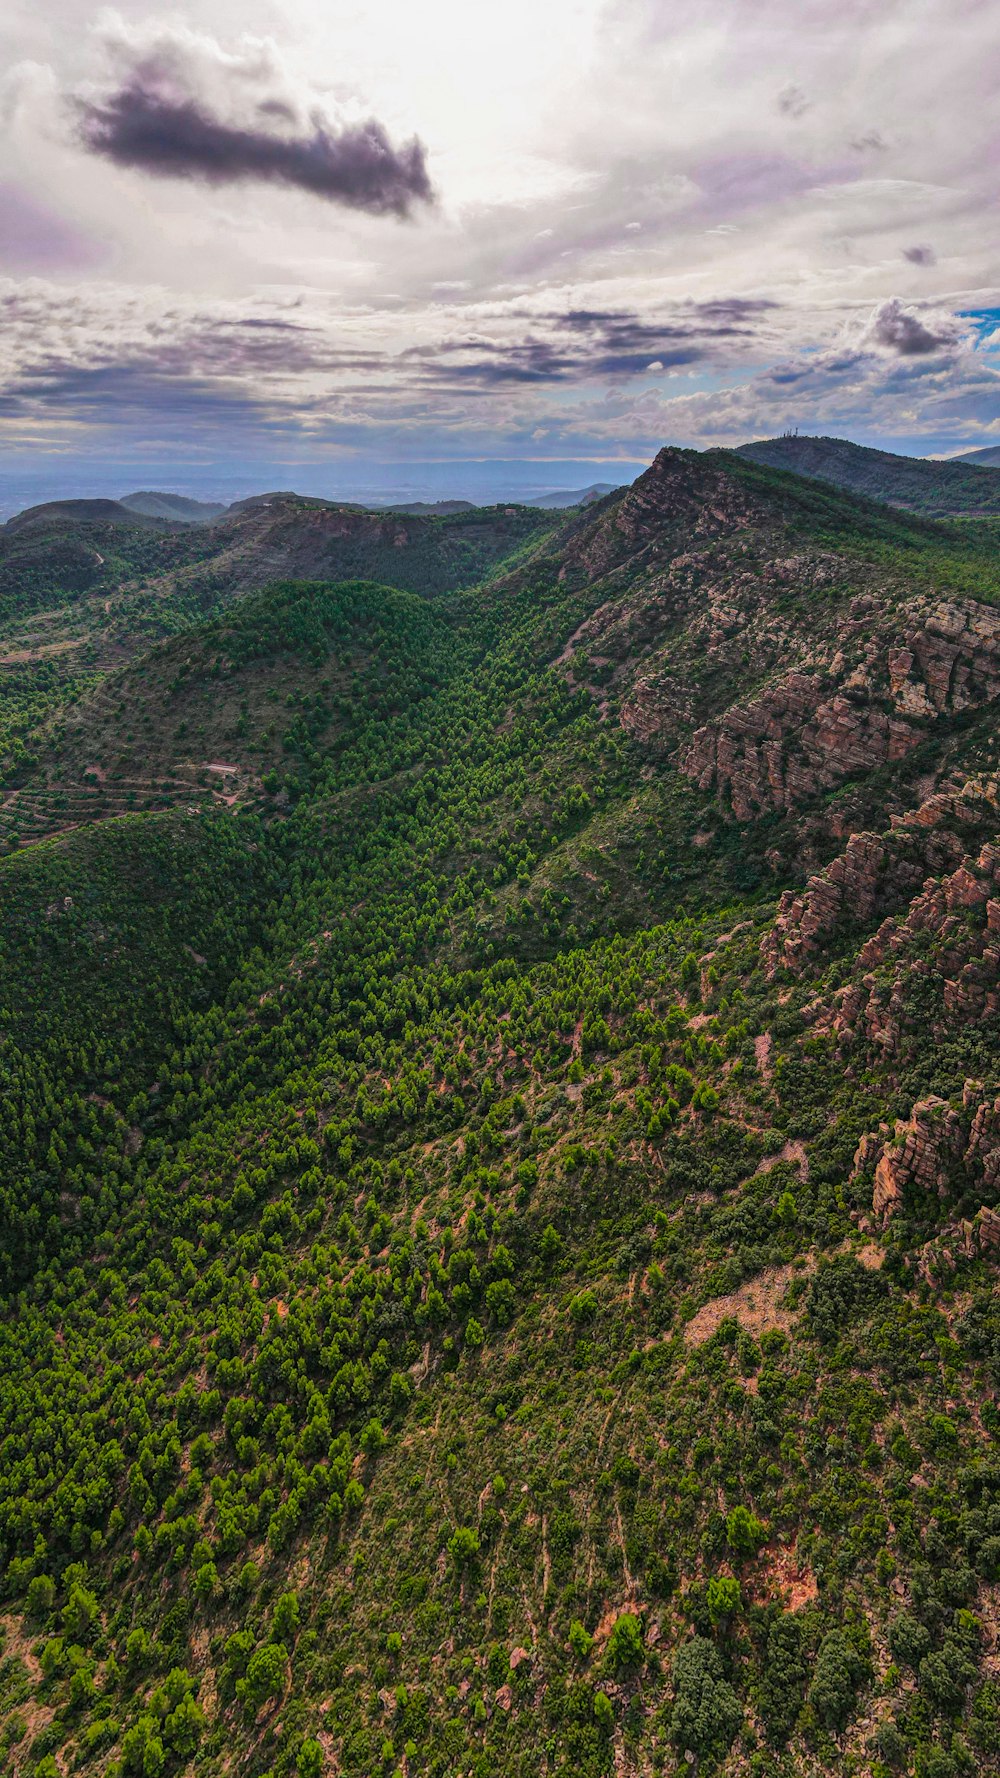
502, 1217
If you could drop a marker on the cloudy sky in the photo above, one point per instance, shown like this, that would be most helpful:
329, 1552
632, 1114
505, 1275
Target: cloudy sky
402, 239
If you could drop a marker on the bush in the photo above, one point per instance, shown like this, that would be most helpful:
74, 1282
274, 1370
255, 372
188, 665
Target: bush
265, 1675
838, 1671
501, 1300
40, 1596
707, 1715
604, 1712
744, 1531
723, 1595
463, 1547
909, 1640
310, 1760
986, 1717
285, 1621
625, 1646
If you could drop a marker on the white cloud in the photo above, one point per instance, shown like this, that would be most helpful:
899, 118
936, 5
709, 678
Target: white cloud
635, 162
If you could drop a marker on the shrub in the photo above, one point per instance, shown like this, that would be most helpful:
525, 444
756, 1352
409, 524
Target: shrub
625, 1646
40, 1596
310, 1760
265, 1675
744, 1531
723, 1596
604, 1712
285, 1621
501, 1300
835, 1680
463, 1547
707, 1715
909, 1640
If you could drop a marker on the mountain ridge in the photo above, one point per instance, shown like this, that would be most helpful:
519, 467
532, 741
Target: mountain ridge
943, 489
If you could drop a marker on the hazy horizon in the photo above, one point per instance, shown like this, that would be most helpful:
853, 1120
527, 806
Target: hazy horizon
483, 481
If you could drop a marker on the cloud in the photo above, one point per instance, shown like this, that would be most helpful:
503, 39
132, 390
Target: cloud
920, 255
897, 329
183, 108
792, 101
869, 142
578, 344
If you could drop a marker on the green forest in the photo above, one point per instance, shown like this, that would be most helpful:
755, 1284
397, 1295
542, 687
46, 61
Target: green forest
500, 1134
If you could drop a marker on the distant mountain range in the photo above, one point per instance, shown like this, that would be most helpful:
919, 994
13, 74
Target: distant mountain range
952, 489
989, 458
180, 509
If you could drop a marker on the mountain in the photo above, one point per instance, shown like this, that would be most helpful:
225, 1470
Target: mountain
577, 497
173, 506
500, 1145
989, 457
949, 489
76, 512
86, 586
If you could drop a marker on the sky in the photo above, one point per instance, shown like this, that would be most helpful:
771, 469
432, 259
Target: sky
440, 248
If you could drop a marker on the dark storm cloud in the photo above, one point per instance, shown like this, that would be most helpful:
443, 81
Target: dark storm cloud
900, 330
174, 136
130, 394
920, 255
576, 344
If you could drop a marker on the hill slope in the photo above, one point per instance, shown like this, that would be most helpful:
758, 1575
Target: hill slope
173, 506
940, 490
990, 457
85, 587
532, 1305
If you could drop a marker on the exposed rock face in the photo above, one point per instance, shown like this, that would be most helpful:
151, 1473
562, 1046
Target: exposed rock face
868, 705
792, 742
677, 495
867, 876
962, 914
933, 1148
975, 1238
920, 1154
877, 873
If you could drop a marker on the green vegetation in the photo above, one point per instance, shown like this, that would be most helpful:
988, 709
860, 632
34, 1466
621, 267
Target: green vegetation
938, 490
444, 1325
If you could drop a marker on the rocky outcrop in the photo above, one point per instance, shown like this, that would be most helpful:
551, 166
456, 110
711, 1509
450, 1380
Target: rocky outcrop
679, 496
920, 1155
976, 1237
892, 676
867, 876
937, 1149
960, 913
881, 873
799, 737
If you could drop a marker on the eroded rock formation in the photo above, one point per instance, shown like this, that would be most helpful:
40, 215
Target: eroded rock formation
938, 1149
893, 675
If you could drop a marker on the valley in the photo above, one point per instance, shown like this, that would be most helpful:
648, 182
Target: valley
500, 1140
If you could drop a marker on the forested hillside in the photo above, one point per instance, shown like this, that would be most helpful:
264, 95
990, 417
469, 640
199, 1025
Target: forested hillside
501, 1145
955, 488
